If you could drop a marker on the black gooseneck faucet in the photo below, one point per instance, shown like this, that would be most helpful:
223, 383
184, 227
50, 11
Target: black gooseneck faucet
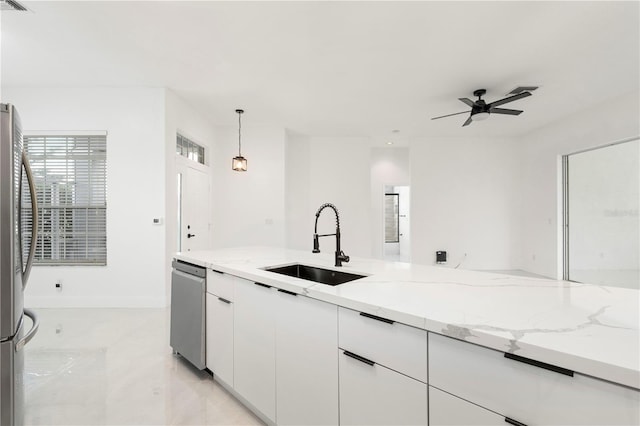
340, 256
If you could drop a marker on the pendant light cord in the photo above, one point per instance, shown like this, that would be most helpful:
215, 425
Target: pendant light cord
239, 133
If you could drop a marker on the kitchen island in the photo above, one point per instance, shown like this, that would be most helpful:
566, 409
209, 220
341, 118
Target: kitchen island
496, 347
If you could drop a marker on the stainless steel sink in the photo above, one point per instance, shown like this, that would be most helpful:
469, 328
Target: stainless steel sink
312, 273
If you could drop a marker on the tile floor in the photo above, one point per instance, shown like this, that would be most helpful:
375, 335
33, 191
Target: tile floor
115, 367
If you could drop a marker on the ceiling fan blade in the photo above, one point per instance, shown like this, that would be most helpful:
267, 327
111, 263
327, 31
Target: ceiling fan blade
505, 111
449, 115
466, 123
509, 99
521, 89
467, 101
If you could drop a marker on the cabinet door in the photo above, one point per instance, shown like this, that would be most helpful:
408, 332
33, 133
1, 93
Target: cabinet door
524, 392
306, 361
375, 395
254, 366
220, 338
446, 409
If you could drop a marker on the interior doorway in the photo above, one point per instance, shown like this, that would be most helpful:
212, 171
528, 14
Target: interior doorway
397, 224
194, 209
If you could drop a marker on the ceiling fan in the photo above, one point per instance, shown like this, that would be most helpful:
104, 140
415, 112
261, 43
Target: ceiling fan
480, 110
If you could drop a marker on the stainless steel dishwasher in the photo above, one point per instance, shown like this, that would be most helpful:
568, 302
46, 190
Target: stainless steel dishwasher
187, 336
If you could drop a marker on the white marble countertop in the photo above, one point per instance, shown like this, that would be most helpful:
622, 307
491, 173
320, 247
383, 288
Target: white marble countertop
590, 329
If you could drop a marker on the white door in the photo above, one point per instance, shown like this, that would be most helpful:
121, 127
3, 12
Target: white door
404, 223
194, 215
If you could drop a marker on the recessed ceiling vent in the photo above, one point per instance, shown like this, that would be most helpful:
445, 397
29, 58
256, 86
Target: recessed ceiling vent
11, 5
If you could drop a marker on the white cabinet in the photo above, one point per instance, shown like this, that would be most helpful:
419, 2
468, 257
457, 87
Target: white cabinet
448, 410
396, 346
220, 284
371, 394
382, 371
219, 314
306, 361
254, 366
533, 395
220, 338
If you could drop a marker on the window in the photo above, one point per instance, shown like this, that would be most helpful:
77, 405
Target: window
391, 218
601, 220
71, 183
188, 148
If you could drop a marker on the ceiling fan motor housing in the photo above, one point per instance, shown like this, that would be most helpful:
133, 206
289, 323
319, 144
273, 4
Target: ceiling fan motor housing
479, 106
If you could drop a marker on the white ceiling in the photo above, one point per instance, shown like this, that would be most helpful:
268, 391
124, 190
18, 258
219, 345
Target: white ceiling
337, 68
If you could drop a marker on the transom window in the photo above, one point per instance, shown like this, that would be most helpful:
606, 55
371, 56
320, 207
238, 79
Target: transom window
188, 148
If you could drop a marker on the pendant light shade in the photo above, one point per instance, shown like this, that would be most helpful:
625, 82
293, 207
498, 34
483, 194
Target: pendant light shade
239, 163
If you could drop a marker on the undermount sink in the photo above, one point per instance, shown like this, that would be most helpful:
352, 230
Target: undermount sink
312, 273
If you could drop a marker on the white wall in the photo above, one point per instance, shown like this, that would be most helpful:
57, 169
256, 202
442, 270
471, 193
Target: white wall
616, 120
329, 170
340, 174
134, 120
249, 207
464, 196
465, 199
299, 218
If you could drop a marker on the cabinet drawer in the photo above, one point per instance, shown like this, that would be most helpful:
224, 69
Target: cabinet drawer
446, 409
394, 345
375, 395
220, 284
529, 394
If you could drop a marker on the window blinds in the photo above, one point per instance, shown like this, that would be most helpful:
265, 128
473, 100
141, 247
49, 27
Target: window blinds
71, 188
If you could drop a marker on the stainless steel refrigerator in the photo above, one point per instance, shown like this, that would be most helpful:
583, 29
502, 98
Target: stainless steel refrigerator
16, 258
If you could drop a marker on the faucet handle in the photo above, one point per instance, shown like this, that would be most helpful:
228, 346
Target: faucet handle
344, 257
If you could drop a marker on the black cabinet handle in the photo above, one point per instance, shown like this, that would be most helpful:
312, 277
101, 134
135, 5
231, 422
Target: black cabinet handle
263, 285
287, 292
377, 318
217, 272
513, 422
228, 302
540, 364
359, 358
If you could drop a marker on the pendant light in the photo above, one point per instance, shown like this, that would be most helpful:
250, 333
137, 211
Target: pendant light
239, 163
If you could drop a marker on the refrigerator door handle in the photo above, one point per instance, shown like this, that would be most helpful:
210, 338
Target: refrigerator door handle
34, 221
34, 329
